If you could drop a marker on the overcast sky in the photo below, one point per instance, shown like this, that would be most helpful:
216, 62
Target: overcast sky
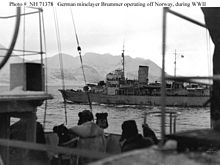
104, 29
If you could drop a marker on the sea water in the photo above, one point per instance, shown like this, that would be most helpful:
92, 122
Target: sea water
187, 119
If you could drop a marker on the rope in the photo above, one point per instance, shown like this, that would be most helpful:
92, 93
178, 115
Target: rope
60, 56
46, 72
80, 55
14, 38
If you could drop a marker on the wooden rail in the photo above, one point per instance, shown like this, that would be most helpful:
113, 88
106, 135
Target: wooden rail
53, 149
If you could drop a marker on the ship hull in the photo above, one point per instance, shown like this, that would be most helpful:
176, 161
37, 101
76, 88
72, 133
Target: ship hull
182, 101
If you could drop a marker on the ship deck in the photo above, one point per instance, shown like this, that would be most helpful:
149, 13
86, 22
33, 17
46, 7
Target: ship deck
197, 140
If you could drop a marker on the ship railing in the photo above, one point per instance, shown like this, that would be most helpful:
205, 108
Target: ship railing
23, 52
164, 77
171, 115
52, 151
193, 78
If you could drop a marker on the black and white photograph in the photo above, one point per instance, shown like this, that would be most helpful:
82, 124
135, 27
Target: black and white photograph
117, 82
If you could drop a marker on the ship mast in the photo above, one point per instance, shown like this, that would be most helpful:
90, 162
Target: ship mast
123, 60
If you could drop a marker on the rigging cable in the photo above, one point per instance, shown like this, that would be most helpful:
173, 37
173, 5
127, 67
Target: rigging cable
60, 56
14, 38
80, 55
46, 71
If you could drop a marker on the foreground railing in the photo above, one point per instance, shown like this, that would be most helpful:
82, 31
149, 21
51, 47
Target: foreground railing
172, 116
24, 147
163, 77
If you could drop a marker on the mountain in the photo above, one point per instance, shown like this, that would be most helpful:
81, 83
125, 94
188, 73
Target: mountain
68, 61
96, 66
91, 74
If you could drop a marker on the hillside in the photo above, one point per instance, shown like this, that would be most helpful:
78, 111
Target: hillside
96, 67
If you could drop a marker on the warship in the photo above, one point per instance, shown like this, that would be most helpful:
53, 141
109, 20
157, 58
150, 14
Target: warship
118, 90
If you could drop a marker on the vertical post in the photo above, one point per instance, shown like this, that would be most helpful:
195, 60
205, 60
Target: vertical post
24, 24
31, 127
175, 64
163, 88
4, 133
41, 49
171, 124
212, 23
174, 124
175, 54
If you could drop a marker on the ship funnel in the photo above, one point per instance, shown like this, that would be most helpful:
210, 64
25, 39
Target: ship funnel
143, 74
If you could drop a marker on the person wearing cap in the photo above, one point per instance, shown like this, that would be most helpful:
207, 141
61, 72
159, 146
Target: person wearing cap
148, 132
131, 138
91, 136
